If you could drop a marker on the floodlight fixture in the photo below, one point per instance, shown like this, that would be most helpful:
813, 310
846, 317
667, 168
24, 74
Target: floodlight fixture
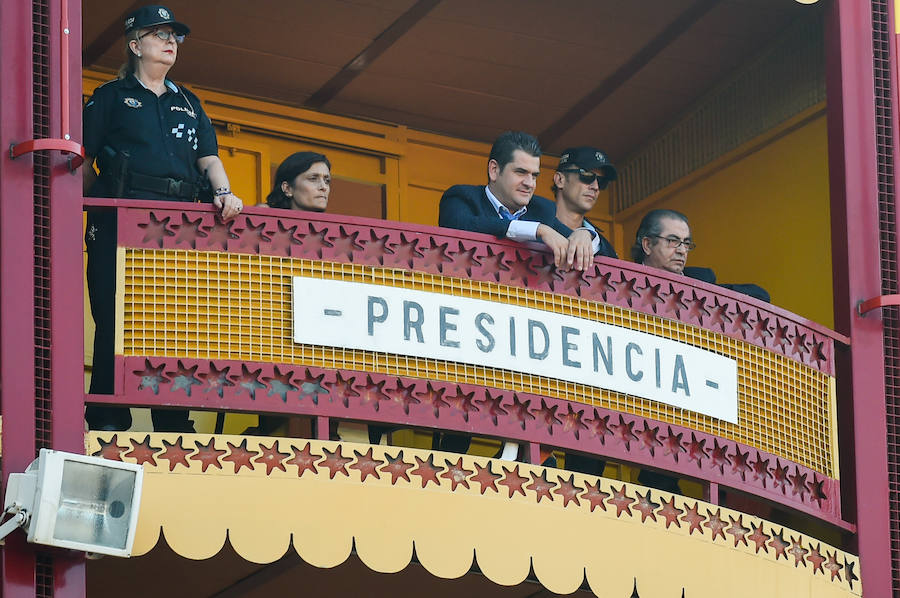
77, 502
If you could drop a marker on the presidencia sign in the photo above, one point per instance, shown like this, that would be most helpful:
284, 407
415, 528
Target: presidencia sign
354, 315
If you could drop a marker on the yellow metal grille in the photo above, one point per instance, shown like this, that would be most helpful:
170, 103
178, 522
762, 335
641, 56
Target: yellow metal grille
210, 305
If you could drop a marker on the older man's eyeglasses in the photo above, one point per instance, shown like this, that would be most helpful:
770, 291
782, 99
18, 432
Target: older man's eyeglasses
165, 35
673, 242
587, 177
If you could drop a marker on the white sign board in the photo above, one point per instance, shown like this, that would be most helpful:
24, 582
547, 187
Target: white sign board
355, 315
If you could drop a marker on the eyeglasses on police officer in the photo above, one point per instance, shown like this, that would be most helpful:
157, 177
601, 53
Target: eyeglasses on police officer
164, 35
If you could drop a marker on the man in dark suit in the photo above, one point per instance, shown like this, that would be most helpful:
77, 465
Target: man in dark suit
580, 176
507, 207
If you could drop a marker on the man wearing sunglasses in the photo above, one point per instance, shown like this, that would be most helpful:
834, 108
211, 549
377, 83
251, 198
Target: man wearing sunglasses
580, 176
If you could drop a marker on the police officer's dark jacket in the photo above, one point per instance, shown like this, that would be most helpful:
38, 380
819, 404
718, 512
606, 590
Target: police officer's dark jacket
164, 135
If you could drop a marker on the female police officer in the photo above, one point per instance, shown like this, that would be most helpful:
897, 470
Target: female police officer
151, 140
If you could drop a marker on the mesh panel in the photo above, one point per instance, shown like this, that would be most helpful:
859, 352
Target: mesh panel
41, 92
212, 305
881, 39
43, 575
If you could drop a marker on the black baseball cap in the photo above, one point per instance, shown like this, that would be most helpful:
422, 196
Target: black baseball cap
588, 158
151, 16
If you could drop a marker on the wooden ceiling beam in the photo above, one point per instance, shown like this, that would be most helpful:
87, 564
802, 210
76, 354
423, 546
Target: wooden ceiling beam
379, 45
639, 60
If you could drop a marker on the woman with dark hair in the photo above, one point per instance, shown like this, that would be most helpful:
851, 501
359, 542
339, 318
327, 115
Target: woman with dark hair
151, 139
302, 182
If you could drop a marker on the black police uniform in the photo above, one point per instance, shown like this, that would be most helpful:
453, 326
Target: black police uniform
163, 136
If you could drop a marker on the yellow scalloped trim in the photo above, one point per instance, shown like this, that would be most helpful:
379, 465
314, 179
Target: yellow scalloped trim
264, 507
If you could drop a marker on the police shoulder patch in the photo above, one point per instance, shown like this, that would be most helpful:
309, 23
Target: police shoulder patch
133, 103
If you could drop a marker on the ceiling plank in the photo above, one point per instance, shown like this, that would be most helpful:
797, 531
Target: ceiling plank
588, 103
108, 37
260, 577
379, 45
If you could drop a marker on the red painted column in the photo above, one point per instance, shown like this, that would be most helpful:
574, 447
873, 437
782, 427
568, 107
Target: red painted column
16, 282
853, 170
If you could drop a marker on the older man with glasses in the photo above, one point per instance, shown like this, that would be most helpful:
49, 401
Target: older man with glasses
663, 241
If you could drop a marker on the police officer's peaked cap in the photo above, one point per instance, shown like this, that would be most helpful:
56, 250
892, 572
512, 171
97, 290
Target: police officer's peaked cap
151, 16
588, 158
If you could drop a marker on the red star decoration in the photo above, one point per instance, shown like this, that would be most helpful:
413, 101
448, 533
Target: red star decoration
513, 481
760, 330
720, 457
779, 545
648, 438
406, 251
625, 292
675, 302
816, 490
781, 336
183, 378
816, 559
575, 280
646, 506
283, 239
345, 244
697, 310
151, 377
818, 354
397, 467
463, 261
372, 393
367, 465
718, 315
342, 389
280, 384
546, 275
697, 450
217, 379
624, 432
694, 519
486, 477
594, 495
254, 236
670, 512
740, 322
740, 463
110, 449
599, 427
780, 475
492, 406
672, 444
621, 500
220, 232
271, 457
761, 469
156, 230
492, 264
376, 248
248, 381
428, 471
798, 344
240, 456
546, 415
759, 537
312, 386
601, 285
798, 484
519, 411
833, 566
304, 460
434, 397
848, 571
207, 454
436, 256
571, 422
189, 231
142, 452
335, 462
798, 552
568, 490
404, 395
737, 530
175, 454
649, 295
462, 402
716, 524
541, 486
457, 474
314, 242
520, 268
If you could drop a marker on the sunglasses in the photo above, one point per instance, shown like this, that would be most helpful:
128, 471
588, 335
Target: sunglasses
165, 35
587, 177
